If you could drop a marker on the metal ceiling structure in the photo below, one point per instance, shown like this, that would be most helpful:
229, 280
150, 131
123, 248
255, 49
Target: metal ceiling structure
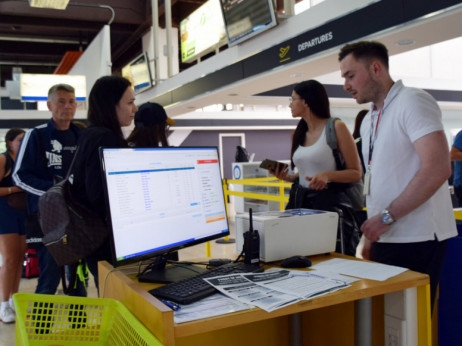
37, 39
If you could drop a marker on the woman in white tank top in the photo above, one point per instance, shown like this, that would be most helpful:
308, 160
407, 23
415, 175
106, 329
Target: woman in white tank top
310, 152
316, 165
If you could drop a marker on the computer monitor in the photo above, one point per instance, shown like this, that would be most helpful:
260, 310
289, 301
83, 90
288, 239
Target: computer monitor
161, 200
138, 73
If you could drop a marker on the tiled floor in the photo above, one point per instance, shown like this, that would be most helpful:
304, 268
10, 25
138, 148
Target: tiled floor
199, 251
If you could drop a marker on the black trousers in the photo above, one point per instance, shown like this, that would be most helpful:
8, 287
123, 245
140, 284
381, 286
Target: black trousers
424, 257
458, 193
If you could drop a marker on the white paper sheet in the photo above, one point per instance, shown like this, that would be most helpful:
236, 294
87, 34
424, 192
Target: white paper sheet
365, 270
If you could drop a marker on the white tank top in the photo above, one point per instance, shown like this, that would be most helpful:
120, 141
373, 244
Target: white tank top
314, 159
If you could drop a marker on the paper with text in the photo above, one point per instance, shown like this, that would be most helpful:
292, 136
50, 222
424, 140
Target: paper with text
361, 269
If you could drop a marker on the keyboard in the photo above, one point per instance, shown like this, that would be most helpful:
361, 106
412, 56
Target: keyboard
195, 288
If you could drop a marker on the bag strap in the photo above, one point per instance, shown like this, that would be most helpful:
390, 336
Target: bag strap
69, 171
77, 272
331, 138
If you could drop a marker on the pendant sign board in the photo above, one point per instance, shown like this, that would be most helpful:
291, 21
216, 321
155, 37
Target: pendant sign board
34, 87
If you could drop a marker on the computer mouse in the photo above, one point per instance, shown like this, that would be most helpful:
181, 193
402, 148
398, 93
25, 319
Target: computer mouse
296, 262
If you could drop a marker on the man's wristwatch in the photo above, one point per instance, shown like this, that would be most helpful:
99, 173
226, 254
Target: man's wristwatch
386, 217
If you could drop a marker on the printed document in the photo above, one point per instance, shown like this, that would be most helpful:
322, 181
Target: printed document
360, 269
215, 305
276, 289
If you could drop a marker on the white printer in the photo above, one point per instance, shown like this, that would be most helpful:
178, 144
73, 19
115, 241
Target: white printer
288, 233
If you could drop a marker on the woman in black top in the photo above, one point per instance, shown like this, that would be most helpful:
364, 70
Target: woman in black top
12, 233
111, 106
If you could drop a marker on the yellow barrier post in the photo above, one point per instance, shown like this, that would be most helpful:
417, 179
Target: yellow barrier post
265, 181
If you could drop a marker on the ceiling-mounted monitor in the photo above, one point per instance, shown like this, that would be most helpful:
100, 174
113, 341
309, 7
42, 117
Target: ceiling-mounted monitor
34, 87
247, 18
202, 31
138, 73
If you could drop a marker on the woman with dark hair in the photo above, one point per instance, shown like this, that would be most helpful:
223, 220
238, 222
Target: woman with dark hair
12, 232
310, 152
151, 127
111, 105
322, 184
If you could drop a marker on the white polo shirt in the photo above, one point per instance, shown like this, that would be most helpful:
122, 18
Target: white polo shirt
408, 114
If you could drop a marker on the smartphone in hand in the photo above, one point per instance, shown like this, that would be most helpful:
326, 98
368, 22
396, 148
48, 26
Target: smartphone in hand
271, 164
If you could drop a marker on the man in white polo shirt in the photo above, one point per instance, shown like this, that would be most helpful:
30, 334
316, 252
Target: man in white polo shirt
407, 163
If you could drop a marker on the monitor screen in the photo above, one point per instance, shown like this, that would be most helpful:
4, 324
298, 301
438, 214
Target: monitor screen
202, 31
138, 73
247, 18
162, 199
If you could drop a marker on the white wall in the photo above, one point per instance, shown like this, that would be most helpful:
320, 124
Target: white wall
96, 61
161, 41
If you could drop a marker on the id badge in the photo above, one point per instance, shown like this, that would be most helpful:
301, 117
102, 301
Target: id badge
367, 183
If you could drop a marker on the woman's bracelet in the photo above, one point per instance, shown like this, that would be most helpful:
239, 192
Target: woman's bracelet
9, 190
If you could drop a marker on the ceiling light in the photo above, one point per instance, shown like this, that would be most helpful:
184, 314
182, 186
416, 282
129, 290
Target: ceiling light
55, 4
406, 42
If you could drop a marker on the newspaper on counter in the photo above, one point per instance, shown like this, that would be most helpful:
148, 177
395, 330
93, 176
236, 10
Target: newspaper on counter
276, 289
214, 305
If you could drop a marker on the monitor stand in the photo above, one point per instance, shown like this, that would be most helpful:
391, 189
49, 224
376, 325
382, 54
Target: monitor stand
159, 272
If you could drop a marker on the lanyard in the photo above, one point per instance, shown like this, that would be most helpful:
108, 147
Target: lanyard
372, 140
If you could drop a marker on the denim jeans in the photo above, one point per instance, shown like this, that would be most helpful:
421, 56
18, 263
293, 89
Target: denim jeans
50, 275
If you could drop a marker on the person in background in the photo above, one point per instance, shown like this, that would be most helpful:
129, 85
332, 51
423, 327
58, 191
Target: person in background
111, 105
45, 154
151, 131
361, 215
357, 136
456, 156
12, 232
409, 209
151, 127
310, 153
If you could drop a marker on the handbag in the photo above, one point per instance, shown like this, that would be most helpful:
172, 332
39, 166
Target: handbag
71, 230
17, 200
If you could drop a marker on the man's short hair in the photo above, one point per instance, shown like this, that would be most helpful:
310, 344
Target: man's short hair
366, 51
60, 87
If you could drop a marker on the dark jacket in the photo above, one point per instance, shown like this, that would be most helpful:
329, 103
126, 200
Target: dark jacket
40, 159
87, 185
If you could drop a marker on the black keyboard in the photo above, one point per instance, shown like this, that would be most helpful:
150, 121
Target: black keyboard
192, 289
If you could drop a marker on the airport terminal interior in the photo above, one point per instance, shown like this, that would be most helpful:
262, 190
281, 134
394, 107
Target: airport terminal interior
223, 87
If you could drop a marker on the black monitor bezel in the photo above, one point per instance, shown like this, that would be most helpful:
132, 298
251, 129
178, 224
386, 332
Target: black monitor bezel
235, 40
153, 254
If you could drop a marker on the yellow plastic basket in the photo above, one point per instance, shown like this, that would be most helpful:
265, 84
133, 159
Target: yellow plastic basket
43, 319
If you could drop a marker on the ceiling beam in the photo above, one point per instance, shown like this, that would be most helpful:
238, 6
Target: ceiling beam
58, 25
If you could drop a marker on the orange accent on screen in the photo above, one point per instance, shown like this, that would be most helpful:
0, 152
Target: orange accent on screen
207, 161
216, 219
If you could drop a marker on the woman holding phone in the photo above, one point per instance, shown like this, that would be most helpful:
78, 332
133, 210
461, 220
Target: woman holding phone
324, 185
